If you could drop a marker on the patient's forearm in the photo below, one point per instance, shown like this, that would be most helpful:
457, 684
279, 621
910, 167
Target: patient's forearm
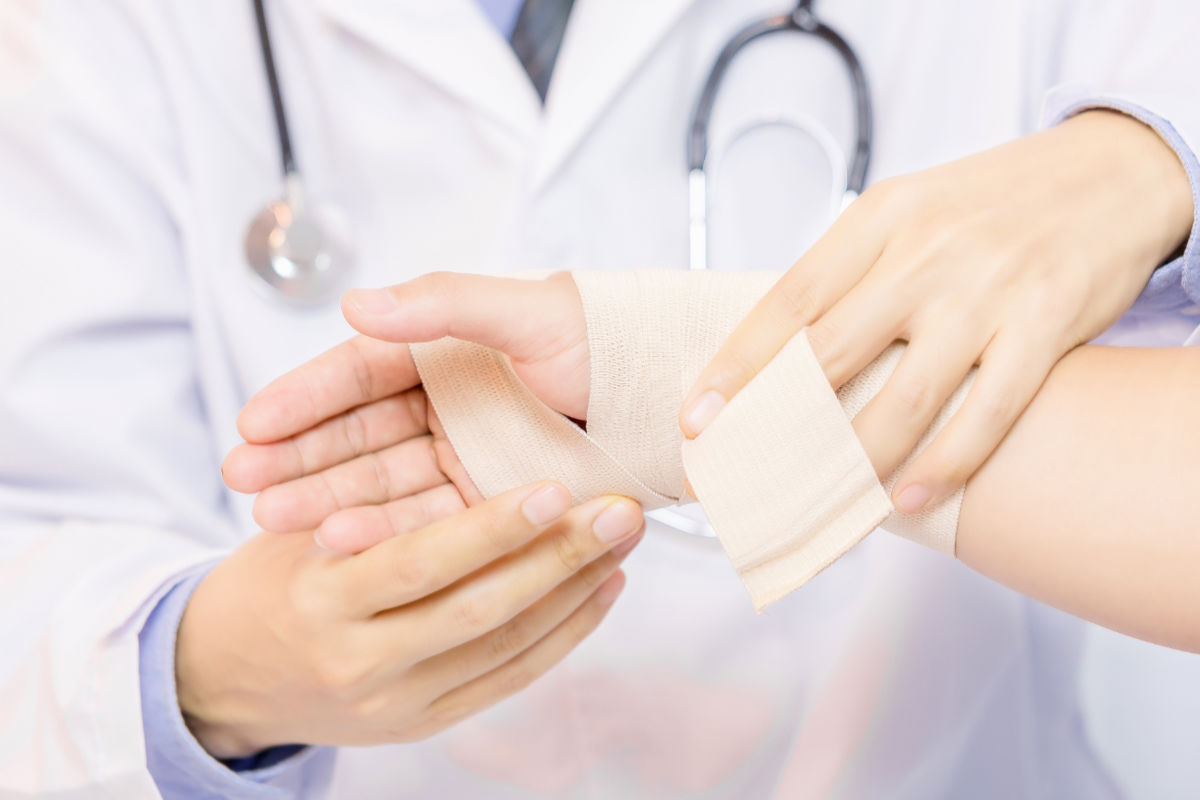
1087, 505
1092, 503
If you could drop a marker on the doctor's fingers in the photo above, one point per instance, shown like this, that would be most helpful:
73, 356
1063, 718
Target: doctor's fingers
1012, 370
460, 665
353, 530
407, 568
831, 268
492, 595
934, 364
398, 471
515, 316
357, 371
366, 429
522, 670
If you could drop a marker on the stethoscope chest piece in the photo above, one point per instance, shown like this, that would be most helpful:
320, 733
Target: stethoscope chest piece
295, 250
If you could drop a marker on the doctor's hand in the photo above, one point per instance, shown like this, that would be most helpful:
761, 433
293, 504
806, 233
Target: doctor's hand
284, 642
347, 444
1007, 259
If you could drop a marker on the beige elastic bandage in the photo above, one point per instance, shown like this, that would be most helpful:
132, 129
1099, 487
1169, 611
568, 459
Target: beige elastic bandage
780, 473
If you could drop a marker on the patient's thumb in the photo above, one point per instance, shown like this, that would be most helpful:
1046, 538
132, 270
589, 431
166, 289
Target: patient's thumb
501, 313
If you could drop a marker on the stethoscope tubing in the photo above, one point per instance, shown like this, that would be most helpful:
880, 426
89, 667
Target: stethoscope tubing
287, 156
800, 20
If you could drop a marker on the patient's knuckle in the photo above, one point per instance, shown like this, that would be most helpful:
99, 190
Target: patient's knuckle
825, 339
892, 197
998, 407
1043, 299
740, 366
913, 396
956, 470
879, 194
798, 299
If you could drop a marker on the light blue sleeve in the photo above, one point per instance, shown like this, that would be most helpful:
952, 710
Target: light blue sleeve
1137, 57
1175, 284
503, 14
180, 766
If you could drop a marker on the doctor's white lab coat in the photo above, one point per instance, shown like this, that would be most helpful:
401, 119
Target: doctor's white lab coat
136, 142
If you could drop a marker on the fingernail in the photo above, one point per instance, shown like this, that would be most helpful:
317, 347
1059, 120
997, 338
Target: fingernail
317, 539
372, 301
913, 498
619, 520
703, 410
546, 504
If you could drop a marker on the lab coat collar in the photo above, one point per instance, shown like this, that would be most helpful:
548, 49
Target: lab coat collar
605, 43
453, 44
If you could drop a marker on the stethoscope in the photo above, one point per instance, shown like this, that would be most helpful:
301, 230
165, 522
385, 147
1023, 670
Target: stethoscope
848, 178
849, 175
292, 248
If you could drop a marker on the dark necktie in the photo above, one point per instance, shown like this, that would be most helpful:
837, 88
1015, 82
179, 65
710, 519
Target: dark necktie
537, 37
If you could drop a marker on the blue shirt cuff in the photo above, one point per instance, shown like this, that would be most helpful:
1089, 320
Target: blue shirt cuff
179, 764
1175, 284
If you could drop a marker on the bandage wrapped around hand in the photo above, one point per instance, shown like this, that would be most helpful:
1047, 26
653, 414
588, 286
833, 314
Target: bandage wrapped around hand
780, 473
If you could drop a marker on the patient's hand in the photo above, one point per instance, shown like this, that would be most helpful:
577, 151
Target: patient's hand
538, 324
1007, 259
348, 443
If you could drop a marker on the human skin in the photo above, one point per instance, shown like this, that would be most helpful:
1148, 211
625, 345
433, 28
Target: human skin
467, 602
1089, 504
1006, 259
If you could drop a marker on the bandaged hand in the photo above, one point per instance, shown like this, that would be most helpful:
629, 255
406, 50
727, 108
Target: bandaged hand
783, 478
1007, 259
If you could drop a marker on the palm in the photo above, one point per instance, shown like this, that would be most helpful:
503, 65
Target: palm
348, 442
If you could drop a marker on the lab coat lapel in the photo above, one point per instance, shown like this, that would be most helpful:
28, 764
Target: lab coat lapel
451, 43
605, 43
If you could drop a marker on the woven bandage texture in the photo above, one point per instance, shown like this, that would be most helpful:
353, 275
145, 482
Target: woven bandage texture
780, 473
